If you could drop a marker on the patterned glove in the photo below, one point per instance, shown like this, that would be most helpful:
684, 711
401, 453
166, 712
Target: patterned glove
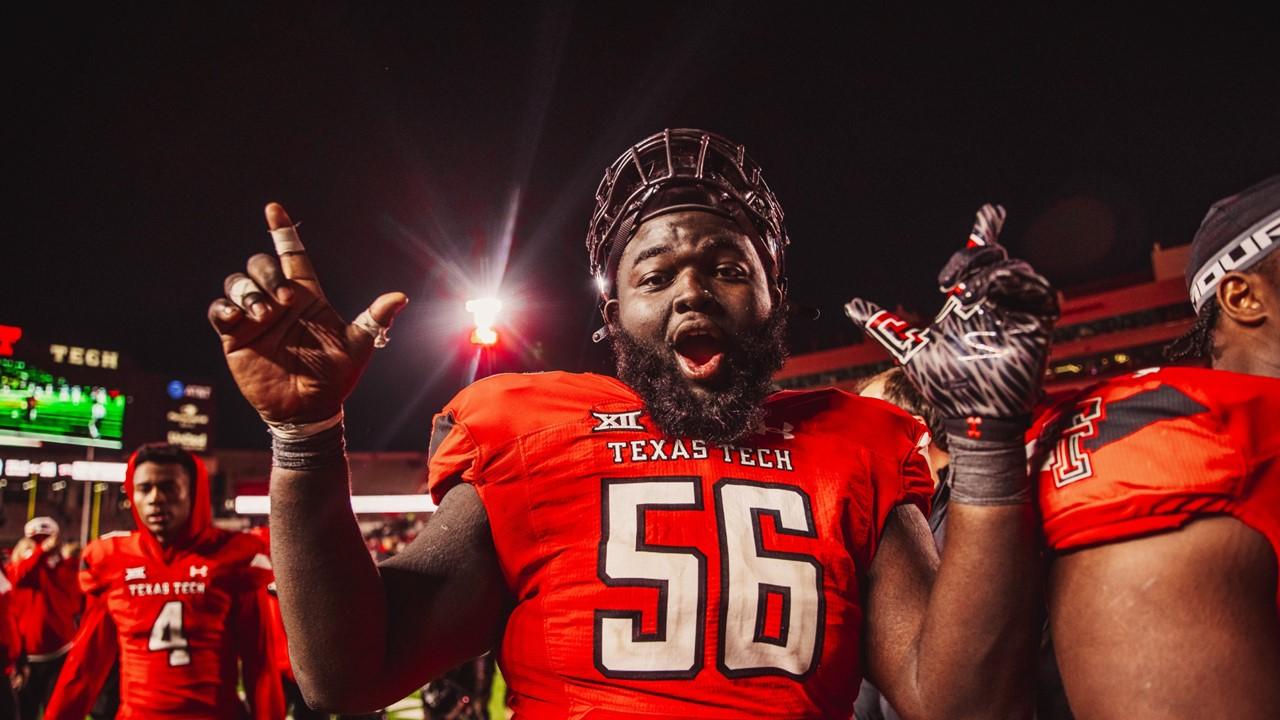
982, 360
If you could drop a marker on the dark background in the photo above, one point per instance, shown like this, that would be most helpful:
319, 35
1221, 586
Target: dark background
424, 147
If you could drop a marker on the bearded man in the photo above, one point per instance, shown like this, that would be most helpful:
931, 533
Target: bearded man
676, 541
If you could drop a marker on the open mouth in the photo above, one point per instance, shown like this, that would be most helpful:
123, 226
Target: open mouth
699, 354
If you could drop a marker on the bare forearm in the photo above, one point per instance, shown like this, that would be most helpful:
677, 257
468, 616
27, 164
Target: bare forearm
976, 650
331, 595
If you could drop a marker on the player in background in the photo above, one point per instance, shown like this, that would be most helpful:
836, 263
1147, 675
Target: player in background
1160, 495
46, 601
180, 603
10, 652
677, 541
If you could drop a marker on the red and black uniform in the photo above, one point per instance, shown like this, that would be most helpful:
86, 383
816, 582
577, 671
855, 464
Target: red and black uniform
10, 649
669, 576
46, 600
181, 619
1157, 449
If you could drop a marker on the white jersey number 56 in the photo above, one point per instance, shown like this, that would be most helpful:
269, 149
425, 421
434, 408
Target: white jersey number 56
752, 580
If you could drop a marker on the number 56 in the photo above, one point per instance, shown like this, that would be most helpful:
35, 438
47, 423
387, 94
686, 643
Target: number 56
750, 578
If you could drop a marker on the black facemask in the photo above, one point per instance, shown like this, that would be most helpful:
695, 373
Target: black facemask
727, 413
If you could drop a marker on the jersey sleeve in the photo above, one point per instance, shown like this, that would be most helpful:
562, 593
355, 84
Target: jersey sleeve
93, 577
250, 561
22, 572
257, 656
453, 456
1117, 466
88, 663
903, 479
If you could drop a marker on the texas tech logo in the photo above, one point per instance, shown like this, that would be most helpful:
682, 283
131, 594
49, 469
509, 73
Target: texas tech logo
617, 421
899, 338
1070, 460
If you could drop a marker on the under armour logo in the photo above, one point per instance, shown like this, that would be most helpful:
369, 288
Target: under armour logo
618, 421
975, 427
202, 571
135, 573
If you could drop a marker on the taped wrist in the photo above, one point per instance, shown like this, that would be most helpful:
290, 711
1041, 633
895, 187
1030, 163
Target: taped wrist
988, 472
318, 451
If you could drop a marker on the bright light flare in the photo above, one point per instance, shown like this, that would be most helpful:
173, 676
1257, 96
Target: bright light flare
485, 311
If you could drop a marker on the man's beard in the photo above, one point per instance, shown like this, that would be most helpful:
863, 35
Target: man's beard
723, 414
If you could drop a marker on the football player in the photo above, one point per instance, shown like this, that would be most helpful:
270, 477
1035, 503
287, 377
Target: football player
10, 652
179, 602
46, 600
1160, 493
676, 541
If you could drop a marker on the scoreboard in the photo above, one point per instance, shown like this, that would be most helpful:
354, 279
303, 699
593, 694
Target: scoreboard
70, 394
37, 405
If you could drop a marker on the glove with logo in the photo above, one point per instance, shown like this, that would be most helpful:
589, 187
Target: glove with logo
981, 361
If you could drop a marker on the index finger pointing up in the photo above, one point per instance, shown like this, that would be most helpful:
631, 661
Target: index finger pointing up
293, 257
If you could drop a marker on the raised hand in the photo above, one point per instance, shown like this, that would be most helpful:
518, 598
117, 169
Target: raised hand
293, 357
983, 356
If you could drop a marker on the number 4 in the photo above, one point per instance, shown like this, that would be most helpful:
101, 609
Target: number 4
166, 634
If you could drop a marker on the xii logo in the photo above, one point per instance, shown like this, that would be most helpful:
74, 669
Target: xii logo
617, 421
1070, 460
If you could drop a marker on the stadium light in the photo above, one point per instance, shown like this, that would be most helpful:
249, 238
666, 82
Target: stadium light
360, 504
98, 471
485, 311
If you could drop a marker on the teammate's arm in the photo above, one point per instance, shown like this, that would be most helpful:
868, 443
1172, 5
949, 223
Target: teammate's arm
21, 571
955, 640
93, 653
960, 643
1178, 624
363, 636
261, 677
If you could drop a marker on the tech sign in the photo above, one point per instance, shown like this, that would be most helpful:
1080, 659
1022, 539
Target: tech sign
60, 353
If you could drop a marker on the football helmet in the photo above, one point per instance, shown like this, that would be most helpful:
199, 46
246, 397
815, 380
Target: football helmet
683, 169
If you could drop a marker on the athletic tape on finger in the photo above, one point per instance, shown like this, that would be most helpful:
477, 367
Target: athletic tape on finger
365, 322
241, 289
286, 240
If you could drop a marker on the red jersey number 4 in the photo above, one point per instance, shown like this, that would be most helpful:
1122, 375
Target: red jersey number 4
756, 584
167, 635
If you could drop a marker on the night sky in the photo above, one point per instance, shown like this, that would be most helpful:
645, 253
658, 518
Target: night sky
425, 147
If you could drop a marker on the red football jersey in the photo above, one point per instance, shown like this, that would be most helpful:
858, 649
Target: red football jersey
1154, 450
45, 601
181, 619
673, 577
10, 640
